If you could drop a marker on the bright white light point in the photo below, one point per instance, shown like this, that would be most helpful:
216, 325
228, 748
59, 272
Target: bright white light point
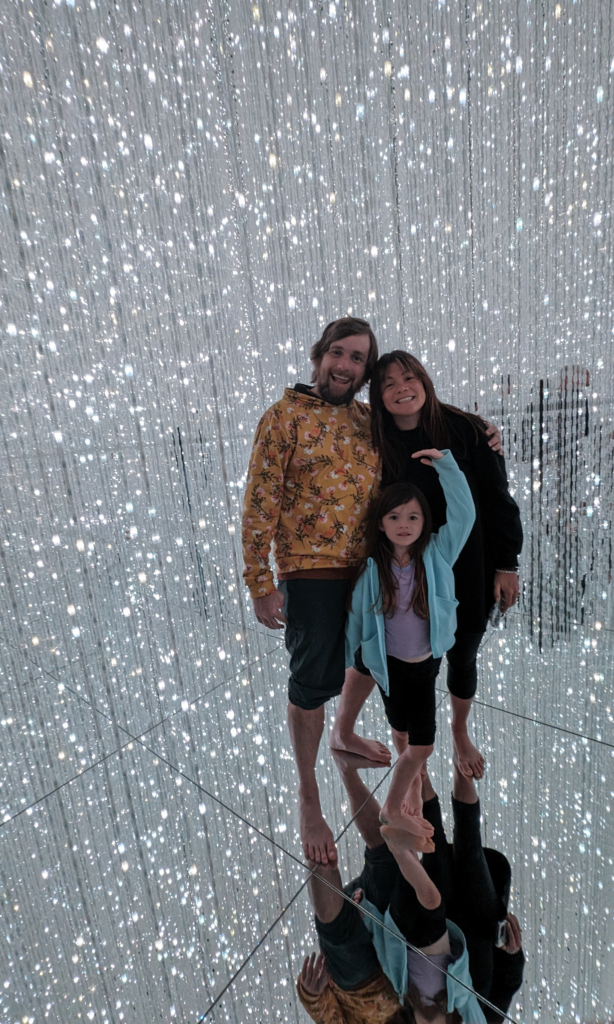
11, 329
314, 303
371, 296
446, 43
404, 72
451, 345
462, 96
128, 370
164, 814
431, 95
80, 941
125, 865
126, 612
202, 808
222, 655
597, 625
600, 94
519, 224
70, 609
202, 523
49, 158
240, 199
76, 632
292, 302
193, 870
272, 160
35, 641
518, 65
374, 250
147, 139
407, 94
56, 539
28, 80
142, 577
102, 45
387, 68
61, 755
80, 545
177, 198
44, 874
322, 74
332, 11
597, 219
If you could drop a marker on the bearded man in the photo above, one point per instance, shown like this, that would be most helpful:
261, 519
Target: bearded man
312, 473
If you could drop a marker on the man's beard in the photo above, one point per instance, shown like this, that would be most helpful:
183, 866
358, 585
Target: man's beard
336, 398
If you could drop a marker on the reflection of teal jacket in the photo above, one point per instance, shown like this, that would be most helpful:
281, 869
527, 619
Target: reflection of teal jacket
392, 955
365, 626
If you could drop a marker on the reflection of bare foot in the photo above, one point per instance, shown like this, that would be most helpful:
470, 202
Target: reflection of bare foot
467, 757
400, 837
415, 824
412, 801
317, 838
348, 762
372, 750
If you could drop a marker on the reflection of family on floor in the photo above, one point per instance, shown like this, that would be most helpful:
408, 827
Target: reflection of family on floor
393, 533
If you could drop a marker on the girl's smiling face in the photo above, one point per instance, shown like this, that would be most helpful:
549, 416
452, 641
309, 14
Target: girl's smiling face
403, 525
403, 396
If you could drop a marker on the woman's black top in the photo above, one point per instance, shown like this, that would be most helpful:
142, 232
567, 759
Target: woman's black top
495, 541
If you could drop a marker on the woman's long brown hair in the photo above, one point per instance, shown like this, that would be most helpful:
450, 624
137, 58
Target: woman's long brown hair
436, 424
379, 548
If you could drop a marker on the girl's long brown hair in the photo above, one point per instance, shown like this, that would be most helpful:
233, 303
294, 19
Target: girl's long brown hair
379, 548
437, 425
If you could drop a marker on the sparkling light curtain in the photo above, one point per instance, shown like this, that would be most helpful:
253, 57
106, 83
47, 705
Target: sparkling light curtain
190, 191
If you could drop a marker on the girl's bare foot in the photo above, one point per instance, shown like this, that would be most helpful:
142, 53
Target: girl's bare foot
467, 757
415, 824
412, 801
372, 750
396, 838
348, 762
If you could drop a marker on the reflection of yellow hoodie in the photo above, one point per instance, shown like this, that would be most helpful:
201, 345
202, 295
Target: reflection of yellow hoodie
311, 474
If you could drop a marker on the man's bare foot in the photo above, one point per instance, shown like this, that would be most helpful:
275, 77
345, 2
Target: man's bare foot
396, 838
316, 837
415, 824
372, 750
467, 757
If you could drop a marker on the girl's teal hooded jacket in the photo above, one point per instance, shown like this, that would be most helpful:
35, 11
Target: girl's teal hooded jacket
365, 626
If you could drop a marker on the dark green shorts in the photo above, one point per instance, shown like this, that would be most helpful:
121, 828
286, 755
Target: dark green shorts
315, 639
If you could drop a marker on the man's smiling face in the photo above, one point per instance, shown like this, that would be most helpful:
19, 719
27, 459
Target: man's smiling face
341, 371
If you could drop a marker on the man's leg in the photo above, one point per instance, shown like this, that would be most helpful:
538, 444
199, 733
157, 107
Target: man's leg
305, 729
356, 689
364, 808
462, 682
327, 902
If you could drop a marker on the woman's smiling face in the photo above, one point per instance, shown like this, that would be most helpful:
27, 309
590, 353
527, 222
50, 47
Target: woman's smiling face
403, 396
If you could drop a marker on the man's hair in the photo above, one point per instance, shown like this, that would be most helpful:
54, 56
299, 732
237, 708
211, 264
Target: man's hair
345, 328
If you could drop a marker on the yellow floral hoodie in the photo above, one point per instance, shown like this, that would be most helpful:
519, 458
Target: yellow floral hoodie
312, 472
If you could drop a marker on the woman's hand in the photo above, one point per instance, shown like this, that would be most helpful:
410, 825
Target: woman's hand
506, 589
514, 935
430, 453
314, 976
495, 441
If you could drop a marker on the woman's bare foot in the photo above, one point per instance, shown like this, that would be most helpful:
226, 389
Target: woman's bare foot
372, 750
467, 757
397, 818
316, 837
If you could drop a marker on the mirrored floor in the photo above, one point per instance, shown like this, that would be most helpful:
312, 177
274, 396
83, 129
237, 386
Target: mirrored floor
156, 874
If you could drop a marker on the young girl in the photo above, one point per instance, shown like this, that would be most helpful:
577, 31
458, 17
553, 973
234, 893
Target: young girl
403, 619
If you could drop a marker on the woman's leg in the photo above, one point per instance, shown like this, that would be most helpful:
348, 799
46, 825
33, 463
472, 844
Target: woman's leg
475, 897
403, 806
416, 905
462, 684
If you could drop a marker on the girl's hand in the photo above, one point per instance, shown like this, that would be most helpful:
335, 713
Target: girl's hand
314, 976
431, 453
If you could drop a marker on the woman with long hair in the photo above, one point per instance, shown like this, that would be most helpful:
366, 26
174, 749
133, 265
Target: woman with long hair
407, 417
